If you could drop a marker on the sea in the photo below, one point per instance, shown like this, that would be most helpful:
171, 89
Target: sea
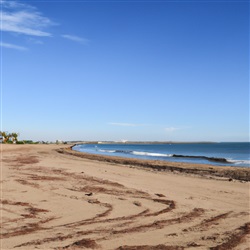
221, 154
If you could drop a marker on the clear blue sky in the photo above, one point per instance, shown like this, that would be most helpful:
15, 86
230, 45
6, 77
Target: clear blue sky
133, 70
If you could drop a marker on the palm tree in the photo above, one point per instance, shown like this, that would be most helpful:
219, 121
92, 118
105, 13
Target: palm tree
14, 136
6, 136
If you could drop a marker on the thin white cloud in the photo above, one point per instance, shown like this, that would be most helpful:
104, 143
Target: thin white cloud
12, 46
76, 39
23, 19
126, 124
171, 129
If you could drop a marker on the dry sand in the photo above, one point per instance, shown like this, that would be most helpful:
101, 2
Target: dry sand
53, 199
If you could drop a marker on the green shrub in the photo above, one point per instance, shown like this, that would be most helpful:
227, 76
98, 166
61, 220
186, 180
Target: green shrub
19, 142
28, 141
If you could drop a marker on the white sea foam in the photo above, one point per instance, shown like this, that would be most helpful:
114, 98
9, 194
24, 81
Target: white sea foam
238, 162
106, 151
151, 154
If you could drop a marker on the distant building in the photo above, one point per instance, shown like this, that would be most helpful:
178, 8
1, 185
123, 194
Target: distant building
1, 138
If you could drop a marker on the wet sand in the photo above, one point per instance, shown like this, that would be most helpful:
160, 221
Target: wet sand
54, 198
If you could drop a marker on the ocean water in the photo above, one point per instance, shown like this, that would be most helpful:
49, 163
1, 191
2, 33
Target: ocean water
220, 154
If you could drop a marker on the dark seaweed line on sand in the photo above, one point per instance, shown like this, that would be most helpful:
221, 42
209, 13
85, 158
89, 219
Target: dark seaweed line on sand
242, 174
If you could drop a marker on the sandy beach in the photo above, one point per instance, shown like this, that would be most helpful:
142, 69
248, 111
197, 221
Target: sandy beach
53, 198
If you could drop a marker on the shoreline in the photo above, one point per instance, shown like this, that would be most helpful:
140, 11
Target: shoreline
218, 154
205, 170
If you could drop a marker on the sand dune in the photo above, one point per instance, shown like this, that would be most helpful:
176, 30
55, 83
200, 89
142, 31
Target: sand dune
53, 200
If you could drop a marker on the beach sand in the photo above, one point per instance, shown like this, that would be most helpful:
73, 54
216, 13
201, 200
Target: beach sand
53, 198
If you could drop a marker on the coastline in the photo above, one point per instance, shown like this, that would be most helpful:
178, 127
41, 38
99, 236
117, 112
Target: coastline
58, 200
219, 154
203, 170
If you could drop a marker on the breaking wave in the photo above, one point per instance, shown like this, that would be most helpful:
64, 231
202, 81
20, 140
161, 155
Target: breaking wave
135, 153
238, 162
106, 151
151, 154
142, 153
